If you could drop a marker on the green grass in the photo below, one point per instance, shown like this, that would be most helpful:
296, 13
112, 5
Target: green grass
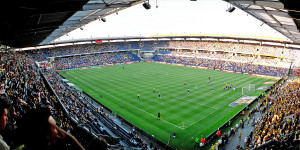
202, 110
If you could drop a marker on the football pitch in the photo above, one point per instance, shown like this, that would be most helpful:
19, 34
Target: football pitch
197, 113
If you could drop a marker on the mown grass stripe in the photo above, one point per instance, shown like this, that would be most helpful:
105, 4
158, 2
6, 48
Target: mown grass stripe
202, 110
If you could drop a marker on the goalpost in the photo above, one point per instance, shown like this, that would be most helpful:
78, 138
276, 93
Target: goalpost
248, 89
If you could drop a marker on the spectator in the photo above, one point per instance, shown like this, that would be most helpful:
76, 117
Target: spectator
203, 140
44, 133
219, 133
4, 105
217, 145
212, 147
197, 140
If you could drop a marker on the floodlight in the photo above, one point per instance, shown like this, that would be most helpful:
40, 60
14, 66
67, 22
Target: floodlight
147, 5
231, 9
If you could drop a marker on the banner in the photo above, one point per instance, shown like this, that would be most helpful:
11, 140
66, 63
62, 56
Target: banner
264, 76
227, 71
98, 41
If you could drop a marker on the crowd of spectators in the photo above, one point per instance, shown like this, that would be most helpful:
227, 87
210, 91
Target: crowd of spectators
281, 120
81, 109
76, 62
128, 56
235, 47
76, 104
245, 52
193, 59
274, 120
63, 63
147, 46
43, 54
249, 58
22, 85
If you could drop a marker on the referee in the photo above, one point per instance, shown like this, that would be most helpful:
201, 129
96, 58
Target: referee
158, 115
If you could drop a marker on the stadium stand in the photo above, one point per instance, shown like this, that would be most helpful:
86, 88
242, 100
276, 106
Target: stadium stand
28, 87
85, 114
281, 122
229, 51
128, 57
273, 123
22, 84
214, 61
63, 63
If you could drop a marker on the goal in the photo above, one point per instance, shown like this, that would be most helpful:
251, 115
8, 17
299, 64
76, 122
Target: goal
248, 89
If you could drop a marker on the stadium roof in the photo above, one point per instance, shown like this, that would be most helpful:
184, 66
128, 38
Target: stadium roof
281, 15
30, 23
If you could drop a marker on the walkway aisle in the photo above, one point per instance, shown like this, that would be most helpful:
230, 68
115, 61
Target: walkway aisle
234, 141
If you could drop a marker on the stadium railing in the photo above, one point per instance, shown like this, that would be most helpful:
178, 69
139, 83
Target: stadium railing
83, 135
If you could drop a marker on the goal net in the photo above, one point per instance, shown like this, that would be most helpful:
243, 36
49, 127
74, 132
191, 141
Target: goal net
248, 89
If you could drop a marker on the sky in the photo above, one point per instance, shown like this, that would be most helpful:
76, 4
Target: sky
176, 17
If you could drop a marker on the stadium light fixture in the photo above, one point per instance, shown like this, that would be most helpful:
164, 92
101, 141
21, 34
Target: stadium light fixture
230, 9
103, 19
147, 5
